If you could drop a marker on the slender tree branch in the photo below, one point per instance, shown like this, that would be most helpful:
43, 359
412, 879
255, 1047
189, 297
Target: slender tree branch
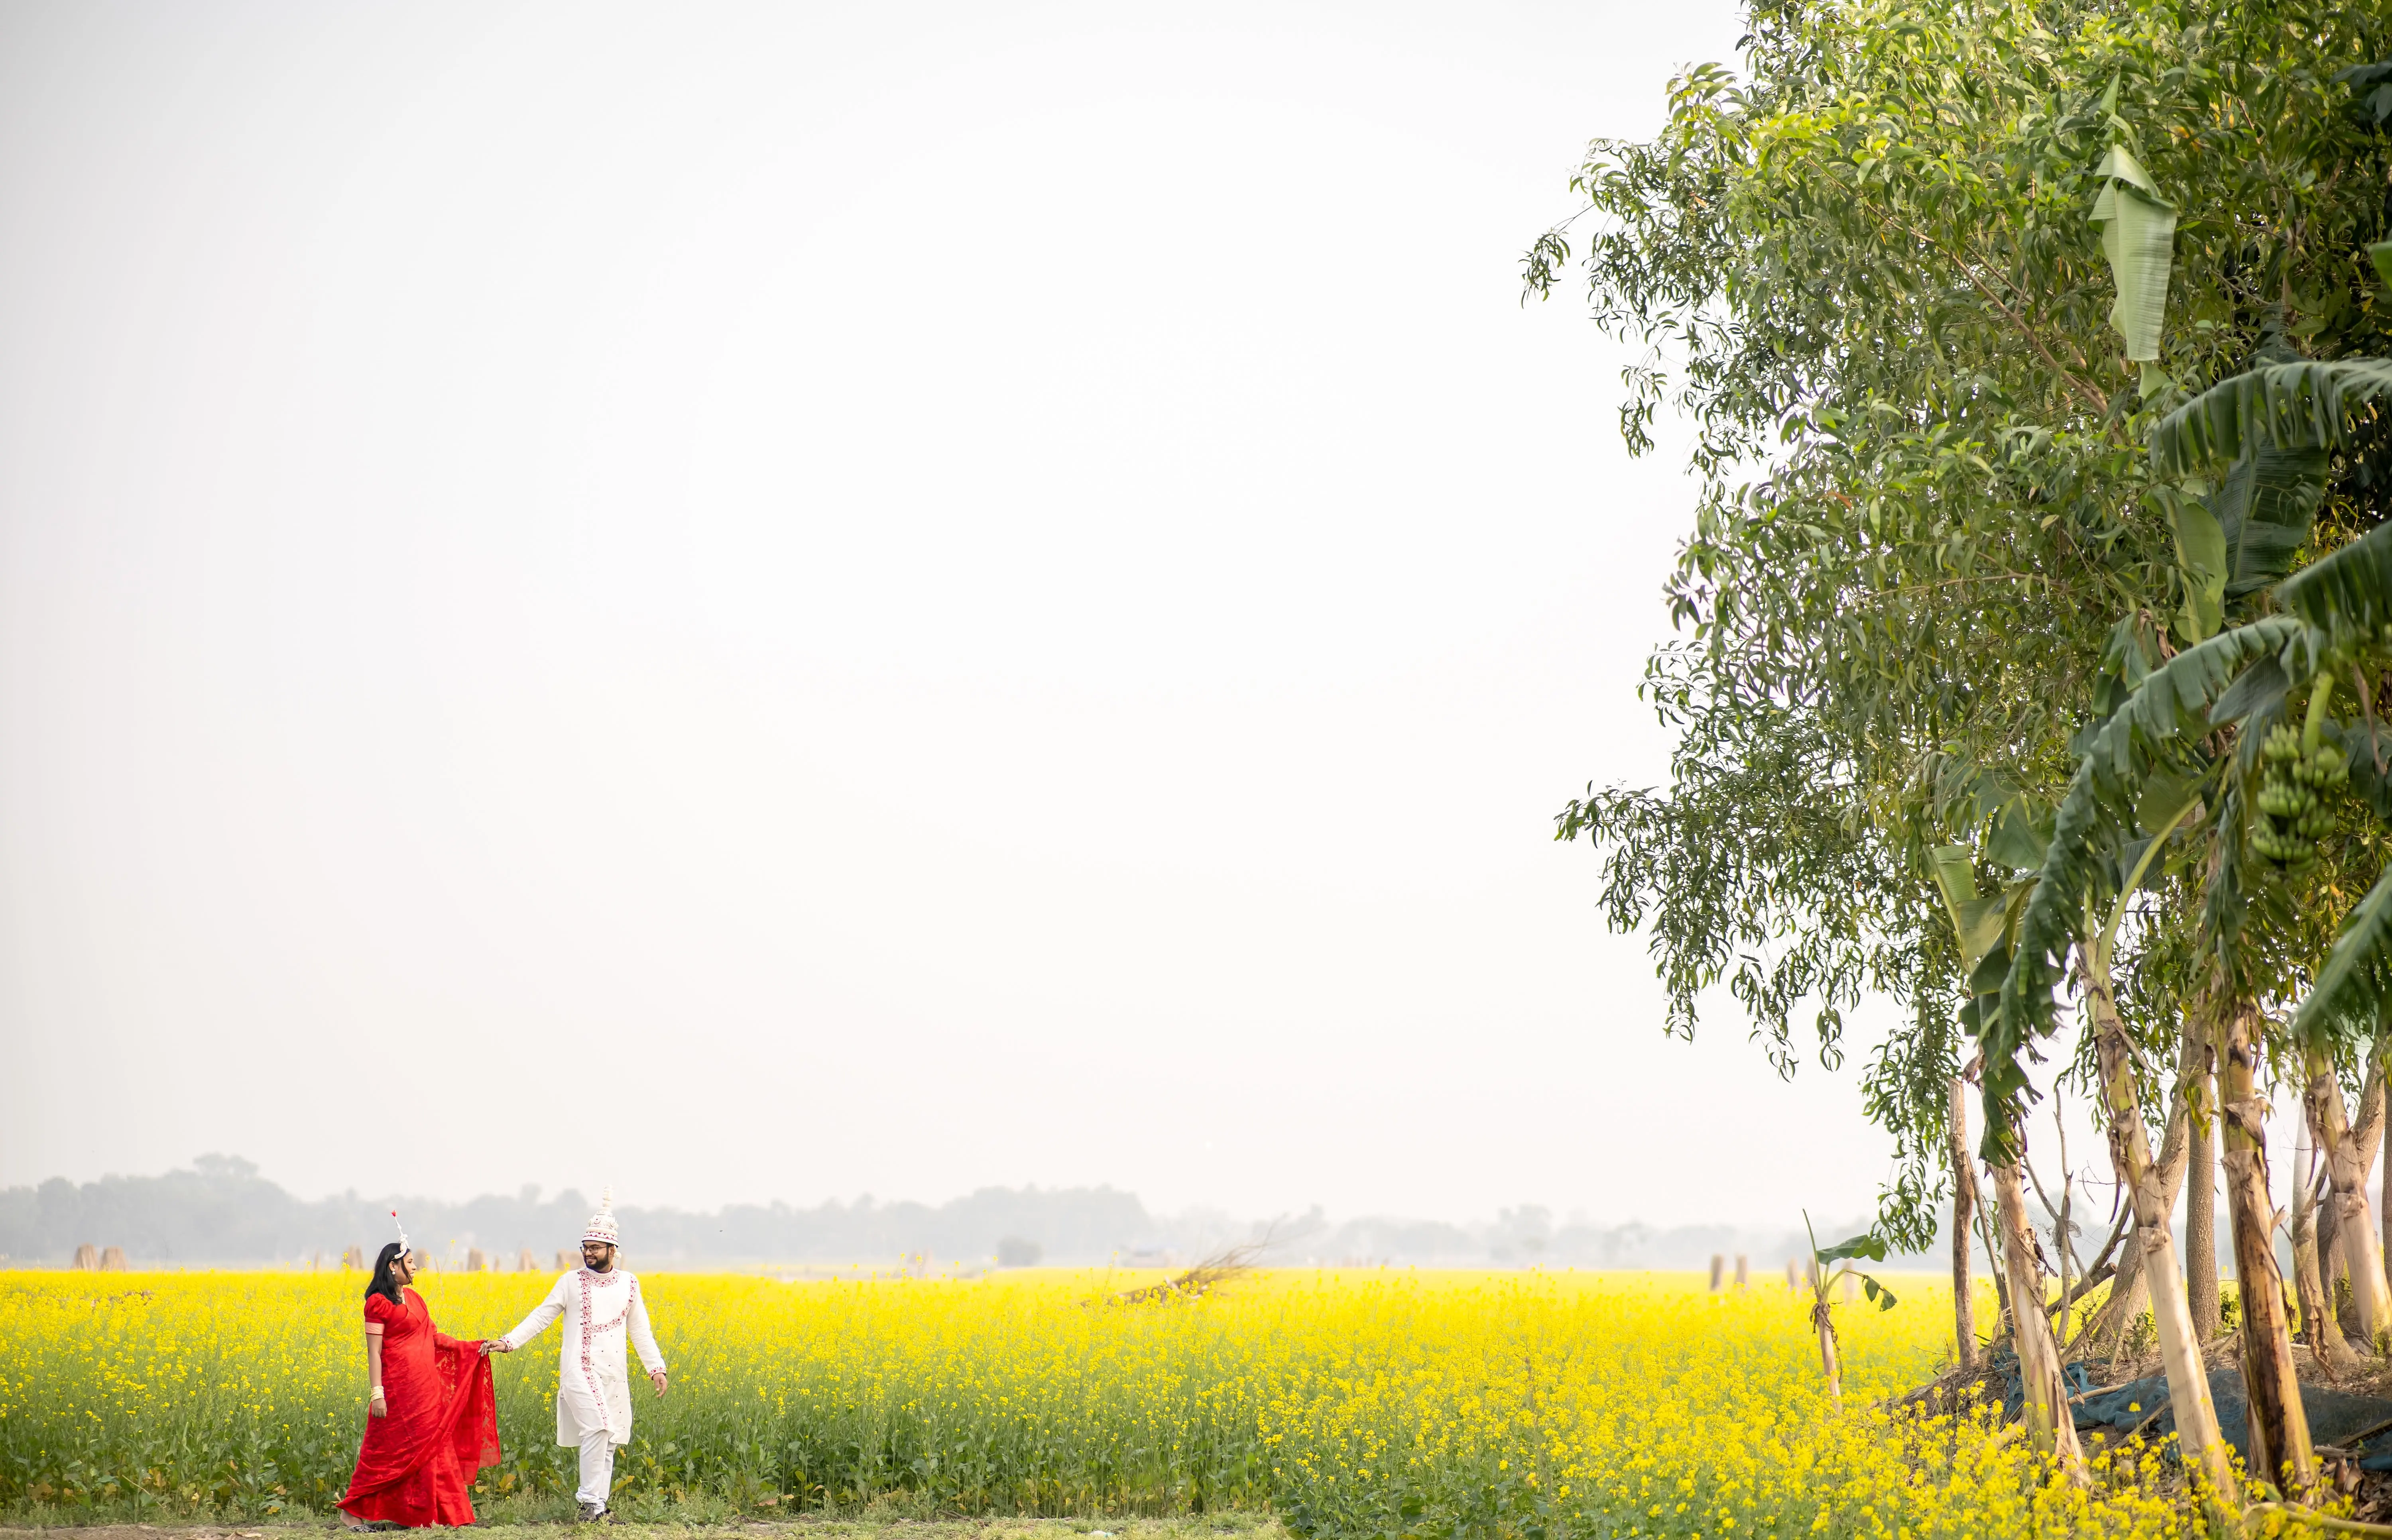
2099, 403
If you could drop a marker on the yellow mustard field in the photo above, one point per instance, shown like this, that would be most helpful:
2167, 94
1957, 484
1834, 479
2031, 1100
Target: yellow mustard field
1371, 1404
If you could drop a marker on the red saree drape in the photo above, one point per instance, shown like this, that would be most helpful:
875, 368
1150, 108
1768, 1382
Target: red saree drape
443, 1427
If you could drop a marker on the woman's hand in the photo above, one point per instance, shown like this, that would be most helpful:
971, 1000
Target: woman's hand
496, 1344
378, 1406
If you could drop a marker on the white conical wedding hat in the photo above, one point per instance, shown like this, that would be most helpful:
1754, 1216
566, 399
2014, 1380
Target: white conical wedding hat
602, 1223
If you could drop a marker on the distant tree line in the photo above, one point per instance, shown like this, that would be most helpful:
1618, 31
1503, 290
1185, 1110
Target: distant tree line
221, 1210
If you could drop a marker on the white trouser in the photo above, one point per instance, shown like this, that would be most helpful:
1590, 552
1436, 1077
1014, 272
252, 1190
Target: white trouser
597, 1467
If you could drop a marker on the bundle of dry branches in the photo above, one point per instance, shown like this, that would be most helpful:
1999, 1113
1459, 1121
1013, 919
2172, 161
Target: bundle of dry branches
1207, 1274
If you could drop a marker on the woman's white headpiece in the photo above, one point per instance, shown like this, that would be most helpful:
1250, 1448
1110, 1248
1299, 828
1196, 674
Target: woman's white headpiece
403, 1248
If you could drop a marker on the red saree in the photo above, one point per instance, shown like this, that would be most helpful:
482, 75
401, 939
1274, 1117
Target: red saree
443, 1427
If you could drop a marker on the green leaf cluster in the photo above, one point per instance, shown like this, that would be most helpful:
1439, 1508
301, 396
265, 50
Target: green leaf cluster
1903, 276
1865, 1247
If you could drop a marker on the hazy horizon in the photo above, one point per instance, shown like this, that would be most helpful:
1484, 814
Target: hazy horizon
589, 1197
222, 1212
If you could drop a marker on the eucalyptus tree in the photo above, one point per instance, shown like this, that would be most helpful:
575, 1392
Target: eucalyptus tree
1865, 275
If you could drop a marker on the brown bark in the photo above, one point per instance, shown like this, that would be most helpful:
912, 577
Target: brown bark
2201, 1229
1964, 1202
2280, 1453
1992, 1244
2051, 1426
2363, 1253
2203, 1445
2330, 1267
2317, 1323
2201, 1181
1826, 1329
2128, 1295
2105, 1330
2369, 1132
2387, 1220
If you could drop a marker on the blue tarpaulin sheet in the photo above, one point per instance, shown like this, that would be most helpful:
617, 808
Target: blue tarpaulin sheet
2334, 1416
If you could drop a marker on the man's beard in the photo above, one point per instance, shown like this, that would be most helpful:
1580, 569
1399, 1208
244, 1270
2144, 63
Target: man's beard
601, 1265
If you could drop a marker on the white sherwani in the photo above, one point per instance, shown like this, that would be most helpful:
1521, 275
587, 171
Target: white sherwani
592, 1392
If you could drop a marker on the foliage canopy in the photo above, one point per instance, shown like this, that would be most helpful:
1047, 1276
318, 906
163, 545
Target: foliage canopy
1933, 552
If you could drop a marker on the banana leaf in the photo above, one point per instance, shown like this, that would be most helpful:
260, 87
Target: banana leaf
2154, 734
2303, 405
2138, 239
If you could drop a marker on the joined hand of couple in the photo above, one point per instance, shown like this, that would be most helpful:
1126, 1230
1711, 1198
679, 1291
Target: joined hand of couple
499, 1344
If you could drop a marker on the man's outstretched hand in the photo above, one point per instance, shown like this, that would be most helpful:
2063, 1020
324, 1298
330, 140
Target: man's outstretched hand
656, 1378
496, 1344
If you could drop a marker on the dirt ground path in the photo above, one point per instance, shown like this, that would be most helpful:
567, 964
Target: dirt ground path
1246, 1527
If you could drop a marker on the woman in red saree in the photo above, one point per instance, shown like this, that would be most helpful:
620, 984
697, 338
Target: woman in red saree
433, 1418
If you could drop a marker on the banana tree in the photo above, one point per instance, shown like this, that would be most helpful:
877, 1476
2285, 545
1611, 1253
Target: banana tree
2279, 423
2327, 1344
1982, 926
2130, 1291
1823, 1281
2150, 772
2143, 777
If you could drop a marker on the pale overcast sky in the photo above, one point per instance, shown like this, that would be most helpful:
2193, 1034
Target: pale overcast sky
789, 601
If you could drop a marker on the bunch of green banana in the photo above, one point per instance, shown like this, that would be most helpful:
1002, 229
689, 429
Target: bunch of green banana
2292, 788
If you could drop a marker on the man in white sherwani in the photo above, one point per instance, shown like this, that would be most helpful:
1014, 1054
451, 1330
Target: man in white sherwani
601, 1306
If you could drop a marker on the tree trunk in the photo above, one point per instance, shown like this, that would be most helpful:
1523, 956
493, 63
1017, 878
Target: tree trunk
1964, 1201
2362, 1250
2368, 1130
2280, 1448
2127, 1294
2368, 1133
2050, 1424
2203, 1447
1986, 1223
2317, 1323
2330, 1271
1827, 1326
2200, 1209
